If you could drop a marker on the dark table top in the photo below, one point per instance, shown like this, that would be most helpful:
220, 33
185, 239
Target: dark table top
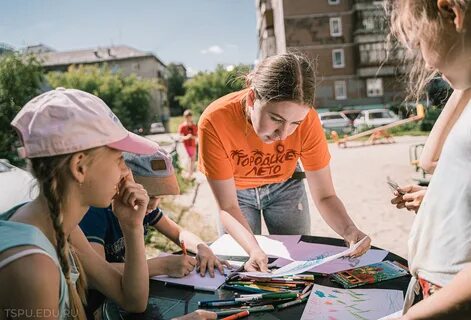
167, 302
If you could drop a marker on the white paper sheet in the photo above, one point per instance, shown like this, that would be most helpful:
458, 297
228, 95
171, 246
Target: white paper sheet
395, 315
272, 245
296, 267
195, 280
326, 303
307, 251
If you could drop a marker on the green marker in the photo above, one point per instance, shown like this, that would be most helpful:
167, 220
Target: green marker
291, 303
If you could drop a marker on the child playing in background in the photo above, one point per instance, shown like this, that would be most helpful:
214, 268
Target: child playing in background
189, 133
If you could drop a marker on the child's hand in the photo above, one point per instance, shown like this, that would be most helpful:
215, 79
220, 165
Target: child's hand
198, 315
179, 266
207, 261
411, 198
130, 202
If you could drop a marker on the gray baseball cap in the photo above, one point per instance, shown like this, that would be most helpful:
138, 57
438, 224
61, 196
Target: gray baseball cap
155, 172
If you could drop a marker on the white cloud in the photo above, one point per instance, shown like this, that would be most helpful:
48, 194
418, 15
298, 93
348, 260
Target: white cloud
230, 67
213, 50
191, 72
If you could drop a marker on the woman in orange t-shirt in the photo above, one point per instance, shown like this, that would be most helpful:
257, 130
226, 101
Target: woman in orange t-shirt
249, 145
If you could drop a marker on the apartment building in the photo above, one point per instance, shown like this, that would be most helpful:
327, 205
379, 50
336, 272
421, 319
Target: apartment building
347, 38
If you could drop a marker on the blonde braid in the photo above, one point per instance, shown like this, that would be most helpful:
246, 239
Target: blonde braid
51, 175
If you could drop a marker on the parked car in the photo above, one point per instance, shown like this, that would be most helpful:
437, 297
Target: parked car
157, 127
351, 114
16, 186
374, 118
335, 121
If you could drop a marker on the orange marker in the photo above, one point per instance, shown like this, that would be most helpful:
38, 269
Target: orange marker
239, 315
182, 244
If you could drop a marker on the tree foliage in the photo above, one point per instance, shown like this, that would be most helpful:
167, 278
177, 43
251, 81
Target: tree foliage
128, 96
176, 79
205, 87
20, 81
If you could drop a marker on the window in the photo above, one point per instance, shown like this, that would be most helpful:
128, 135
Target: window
332, 2
374, 87
335, 26
340, 90
338, 58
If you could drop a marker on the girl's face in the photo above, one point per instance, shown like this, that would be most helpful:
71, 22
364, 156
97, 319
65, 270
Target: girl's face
273, 121
103, 175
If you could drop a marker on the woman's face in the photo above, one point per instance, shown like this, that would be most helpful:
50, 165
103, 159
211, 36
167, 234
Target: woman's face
449, 53
273, 121
104, 172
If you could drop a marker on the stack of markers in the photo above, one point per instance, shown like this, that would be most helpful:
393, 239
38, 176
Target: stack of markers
265, 295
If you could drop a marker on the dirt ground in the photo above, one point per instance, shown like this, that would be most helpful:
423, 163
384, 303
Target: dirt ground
359, 174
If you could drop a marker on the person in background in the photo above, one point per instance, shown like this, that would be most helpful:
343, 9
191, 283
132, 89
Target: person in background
189, 133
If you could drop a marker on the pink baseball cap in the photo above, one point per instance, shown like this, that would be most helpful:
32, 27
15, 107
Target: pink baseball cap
63, 121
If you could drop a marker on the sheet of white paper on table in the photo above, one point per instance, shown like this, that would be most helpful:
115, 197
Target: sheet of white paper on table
395, 315
195, 280
306, 251
296, 267
272, 245
327, 303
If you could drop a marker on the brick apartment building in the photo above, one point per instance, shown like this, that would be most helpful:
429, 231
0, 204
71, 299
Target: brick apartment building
349, 40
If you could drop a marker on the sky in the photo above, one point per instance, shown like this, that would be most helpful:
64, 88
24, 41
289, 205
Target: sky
198, 33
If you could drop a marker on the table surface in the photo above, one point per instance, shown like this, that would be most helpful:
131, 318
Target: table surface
166, 302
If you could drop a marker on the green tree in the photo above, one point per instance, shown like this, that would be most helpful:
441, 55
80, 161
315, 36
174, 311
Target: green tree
20, 81
206, 87
176, 79
127, 96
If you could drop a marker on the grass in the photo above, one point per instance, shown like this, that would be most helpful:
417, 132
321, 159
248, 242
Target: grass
174, 123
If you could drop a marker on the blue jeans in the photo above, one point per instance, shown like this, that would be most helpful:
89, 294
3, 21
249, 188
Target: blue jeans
284, 207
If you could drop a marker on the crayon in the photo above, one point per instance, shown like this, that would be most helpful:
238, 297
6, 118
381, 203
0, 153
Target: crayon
291, 303
239, 315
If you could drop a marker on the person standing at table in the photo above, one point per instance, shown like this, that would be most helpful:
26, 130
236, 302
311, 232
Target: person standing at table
249, 145
189, 133
437, 34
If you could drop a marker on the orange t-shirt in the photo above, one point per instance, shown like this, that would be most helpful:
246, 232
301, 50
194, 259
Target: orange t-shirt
229, 146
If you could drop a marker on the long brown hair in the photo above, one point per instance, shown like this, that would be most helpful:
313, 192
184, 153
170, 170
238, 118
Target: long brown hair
284, 77
412, 20
52, 174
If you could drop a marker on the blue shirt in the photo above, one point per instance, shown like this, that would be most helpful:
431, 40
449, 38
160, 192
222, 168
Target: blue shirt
100, 225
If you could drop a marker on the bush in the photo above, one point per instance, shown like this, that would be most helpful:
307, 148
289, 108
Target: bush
20, 81
128, 97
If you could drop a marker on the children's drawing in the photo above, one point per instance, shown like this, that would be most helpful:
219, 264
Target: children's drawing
358, 304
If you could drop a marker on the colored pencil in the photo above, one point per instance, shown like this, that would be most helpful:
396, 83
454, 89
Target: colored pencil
291, 303
182, 244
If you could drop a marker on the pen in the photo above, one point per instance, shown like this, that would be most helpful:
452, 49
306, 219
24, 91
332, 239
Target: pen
182, 244
307, 288
239, 315
281, 295
290, 303
228, 312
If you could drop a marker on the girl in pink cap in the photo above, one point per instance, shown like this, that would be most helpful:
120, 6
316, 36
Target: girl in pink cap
74, 143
